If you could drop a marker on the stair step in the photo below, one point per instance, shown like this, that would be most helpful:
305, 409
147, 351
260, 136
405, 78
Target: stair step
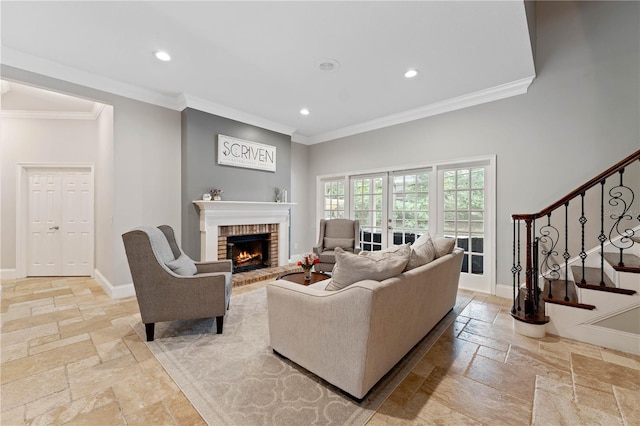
558, 295
631, 262
592, 278
538, 318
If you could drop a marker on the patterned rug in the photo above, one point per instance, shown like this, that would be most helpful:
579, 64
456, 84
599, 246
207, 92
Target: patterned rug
235, 378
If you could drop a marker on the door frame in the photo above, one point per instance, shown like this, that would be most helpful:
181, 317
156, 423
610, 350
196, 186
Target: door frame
22, 208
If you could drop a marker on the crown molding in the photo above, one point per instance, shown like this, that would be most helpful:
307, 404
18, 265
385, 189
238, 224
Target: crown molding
49, 115
507, 90
49, 68
189, 101
53, 69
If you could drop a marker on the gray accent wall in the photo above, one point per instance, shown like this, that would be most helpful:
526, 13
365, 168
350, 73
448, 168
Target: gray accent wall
580, 116
201, 171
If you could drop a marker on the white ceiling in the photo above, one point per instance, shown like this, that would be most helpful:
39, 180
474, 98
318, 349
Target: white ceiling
257, 62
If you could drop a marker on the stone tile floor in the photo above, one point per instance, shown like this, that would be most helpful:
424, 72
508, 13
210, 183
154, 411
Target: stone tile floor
69, 356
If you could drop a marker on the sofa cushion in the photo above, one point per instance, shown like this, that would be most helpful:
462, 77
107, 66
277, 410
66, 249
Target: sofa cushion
422, 252
344, 243
444, 245
368, 265
182, 266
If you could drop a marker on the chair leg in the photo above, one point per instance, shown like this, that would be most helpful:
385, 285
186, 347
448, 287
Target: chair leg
149, 328
219, 323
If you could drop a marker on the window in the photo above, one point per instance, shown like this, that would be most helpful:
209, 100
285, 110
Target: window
368, 208
410, 205
333, 199
463, 191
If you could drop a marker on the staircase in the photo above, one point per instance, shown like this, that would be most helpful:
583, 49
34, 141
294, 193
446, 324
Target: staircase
576, 263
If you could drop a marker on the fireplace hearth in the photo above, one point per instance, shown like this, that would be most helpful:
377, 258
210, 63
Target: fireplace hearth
248, 252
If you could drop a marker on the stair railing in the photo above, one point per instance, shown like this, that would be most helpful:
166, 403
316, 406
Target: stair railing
547, 253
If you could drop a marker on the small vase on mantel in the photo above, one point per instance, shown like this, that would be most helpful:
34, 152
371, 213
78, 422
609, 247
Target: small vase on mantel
217, 198
307, 273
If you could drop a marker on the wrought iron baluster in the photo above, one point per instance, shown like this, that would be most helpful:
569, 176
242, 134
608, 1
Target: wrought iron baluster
602, 238
536, 289
566, 255
513, 268
550, 270
519, 267
621, 196
583, 221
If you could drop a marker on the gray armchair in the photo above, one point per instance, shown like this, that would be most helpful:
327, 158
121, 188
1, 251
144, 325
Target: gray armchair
169, 285
343, 233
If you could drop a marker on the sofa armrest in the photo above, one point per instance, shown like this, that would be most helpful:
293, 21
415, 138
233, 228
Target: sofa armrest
214, 266
317, 250
331, 330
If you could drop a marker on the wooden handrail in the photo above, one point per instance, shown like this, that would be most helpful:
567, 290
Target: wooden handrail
582, 188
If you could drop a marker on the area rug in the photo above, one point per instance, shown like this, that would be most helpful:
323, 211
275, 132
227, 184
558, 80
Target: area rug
234, 378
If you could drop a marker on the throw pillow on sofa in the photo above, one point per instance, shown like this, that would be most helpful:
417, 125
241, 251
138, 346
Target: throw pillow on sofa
377, 265
444, 246
182, 266
422, 252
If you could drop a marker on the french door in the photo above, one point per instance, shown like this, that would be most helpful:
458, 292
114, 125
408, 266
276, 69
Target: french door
455, 200
60, 222
393, 208
463, 212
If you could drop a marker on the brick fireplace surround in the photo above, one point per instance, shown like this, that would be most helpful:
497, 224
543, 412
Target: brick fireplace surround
220, 219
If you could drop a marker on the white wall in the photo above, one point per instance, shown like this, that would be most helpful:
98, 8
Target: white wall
26, 140
303, 222
146, 169
580, 117
104, 191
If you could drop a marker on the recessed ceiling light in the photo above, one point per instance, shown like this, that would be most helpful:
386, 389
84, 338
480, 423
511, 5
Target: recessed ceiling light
328, 65
304, 111
163, 56
411, 73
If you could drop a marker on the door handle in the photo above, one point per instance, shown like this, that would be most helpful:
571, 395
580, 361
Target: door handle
389, 227
54, 228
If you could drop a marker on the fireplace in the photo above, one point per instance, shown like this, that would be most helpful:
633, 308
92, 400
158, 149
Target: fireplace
222, 219
248, 252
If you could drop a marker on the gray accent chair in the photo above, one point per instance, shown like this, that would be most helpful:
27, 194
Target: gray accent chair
343, 233
163, 293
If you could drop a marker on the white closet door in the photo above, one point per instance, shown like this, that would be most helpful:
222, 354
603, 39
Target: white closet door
44, 239
60, 235
77, 223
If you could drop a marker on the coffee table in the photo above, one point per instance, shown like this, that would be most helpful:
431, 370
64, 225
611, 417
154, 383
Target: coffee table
298, 277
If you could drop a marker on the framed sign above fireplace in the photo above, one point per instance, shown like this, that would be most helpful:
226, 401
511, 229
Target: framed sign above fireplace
251, 155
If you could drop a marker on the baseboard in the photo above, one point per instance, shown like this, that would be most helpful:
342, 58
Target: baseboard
607, 337
7, 274
505, 291
115, 292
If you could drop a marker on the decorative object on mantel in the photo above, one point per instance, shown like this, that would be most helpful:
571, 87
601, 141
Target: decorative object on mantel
281, 195
215, 194
206, 197
307, 263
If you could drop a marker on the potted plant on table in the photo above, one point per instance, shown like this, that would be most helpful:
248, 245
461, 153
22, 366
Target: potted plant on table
307, 263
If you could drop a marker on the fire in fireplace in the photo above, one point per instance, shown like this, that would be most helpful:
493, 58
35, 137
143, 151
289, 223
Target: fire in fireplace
248, 252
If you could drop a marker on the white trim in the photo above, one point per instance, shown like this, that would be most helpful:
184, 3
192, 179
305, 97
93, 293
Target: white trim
114, 292
22, 200
18, 59
7, 274
490, 161
189, 101
214, 214
49, 115
491, 94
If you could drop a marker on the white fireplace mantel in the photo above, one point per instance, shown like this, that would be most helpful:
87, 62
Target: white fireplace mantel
229, 213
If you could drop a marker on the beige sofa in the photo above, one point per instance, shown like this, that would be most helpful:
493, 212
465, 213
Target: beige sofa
354, 336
